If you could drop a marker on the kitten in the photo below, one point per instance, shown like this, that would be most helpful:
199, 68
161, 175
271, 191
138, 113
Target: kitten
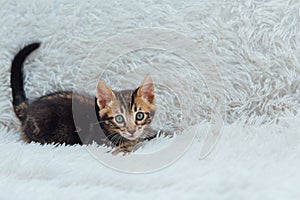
71, 118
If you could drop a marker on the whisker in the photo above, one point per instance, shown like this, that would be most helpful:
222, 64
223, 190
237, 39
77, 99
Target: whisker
99, 122
118, 140
113, 137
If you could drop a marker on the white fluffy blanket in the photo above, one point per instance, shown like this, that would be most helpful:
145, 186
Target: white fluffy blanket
254, 45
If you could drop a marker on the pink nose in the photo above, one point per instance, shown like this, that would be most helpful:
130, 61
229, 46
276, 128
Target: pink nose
131, 132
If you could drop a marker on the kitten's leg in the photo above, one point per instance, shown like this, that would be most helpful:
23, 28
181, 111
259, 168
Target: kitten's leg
25, 138
31, 130
127, 147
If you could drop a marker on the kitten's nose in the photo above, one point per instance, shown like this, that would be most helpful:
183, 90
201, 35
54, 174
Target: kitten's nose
131, 132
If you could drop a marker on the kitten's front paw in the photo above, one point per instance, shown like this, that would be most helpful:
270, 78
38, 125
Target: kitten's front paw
121, 150
127, 147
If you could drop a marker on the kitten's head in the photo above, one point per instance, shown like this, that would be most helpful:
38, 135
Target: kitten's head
126, 112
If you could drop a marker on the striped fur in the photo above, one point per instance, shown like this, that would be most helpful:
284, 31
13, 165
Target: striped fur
128, 104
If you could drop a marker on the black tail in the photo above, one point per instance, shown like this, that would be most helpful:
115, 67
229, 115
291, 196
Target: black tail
16, 81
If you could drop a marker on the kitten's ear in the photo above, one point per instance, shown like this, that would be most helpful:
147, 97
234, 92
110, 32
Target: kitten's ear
104, 94
146, 90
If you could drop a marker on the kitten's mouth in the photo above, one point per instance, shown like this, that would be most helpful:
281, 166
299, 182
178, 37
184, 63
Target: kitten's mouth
131, 137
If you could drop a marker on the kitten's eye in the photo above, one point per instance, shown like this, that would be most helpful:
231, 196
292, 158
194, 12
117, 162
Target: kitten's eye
119, 118
139, 116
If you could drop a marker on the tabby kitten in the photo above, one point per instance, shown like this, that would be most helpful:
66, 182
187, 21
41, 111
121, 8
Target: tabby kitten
71, 118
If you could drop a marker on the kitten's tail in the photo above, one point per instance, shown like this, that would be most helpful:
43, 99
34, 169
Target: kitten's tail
17, 84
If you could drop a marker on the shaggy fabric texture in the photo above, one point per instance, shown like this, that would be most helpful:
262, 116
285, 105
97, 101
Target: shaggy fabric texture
256, 49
